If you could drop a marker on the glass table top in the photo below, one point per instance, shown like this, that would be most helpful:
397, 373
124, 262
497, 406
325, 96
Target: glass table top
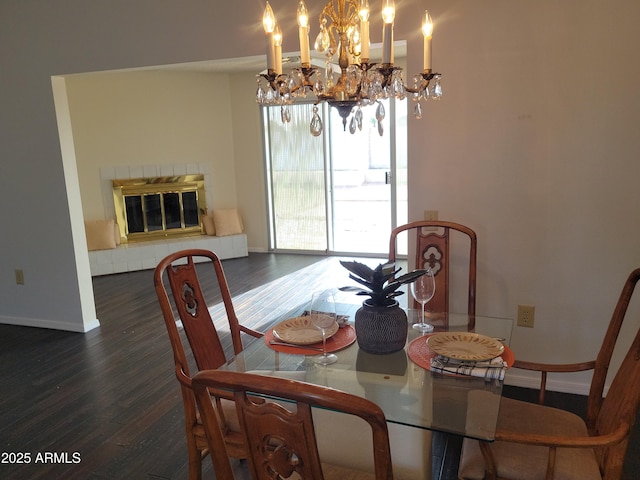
407, 393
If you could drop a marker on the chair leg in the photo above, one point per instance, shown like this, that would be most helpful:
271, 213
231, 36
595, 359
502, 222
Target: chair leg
491, 472
195, 461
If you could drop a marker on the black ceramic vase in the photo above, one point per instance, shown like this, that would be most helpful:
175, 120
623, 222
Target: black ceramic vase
381, 330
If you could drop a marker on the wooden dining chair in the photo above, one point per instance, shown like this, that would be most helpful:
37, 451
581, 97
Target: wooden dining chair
184, 296
431, 242
281, 436
534, 441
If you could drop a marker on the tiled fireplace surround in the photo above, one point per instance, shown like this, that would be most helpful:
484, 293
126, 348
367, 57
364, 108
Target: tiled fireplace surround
146, 255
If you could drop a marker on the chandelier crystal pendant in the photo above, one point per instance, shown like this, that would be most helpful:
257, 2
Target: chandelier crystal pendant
344, 36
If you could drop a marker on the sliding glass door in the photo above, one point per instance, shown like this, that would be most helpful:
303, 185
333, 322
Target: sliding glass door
337, 192
297, 183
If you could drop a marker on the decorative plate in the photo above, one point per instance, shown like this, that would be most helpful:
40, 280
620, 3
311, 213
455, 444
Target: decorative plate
301, 331
465, 346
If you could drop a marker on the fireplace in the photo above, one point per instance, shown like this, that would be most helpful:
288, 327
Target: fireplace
159, 207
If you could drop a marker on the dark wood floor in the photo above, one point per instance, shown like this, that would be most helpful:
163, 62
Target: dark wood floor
105, 405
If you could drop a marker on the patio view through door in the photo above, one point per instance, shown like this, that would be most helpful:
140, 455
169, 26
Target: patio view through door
339, 192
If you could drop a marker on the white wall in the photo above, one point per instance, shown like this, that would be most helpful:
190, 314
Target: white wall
151, 118
161, 118
249, 161
534, 144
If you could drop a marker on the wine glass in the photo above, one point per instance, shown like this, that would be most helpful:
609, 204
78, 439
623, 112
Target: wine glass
423, 290
323, 316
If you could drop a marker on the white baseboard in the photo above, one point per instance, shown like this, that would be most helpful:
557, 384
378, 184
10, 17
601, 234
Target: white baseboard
52, 324
518, 378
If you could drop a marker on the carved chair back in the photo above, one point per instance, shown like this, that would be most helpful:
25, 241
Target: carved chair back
431, 243
281, 436
184, 295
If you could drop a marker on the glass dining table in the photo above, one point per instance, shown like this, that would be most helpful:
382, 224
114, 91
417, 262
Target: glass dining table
411, 396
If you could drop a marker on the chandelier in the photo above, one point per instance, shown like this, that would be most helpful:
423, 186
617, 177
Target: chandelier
344, 34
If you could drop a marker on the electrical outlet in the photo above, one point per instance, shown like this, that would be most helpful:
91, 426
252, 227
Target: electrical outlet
526, 314
19, 277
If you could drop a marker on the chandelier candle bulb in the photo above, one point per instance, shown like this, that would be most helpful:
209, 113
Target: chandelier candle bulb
303, 32
427, 31
388, 15
269, 24
364, 30
277, 41
271, 53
